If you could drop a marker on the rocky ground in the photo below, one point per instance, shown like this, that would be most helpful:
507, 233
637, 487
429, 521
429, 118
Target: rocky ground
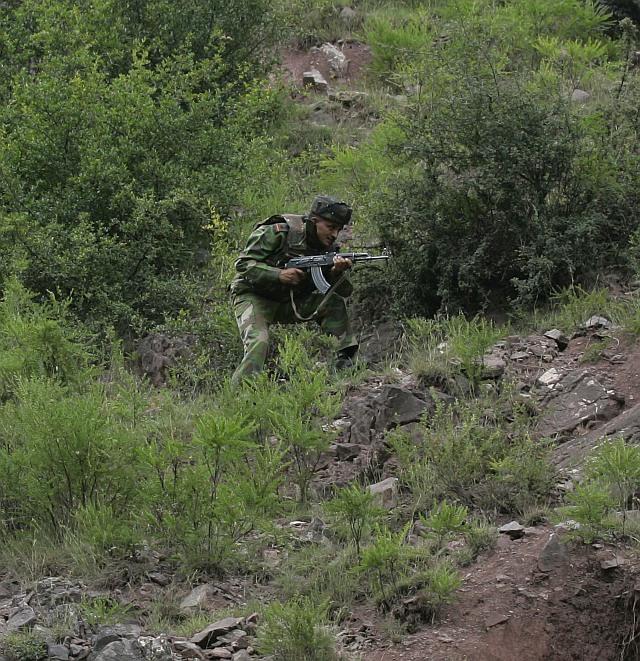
535, 596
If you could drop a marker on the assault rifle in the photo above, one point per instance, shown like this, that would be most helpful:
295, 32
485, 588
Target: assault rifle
316, 262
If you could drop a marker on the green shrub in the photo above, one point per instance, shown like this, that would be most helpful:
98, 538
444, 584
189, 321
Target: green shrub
354, 506
297, 631
445, 519
468, 458
23, 646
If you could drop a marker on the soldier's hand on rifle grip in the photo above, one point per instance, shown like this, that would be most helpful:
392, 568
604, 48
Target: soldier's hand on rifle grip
291, 277
340, 264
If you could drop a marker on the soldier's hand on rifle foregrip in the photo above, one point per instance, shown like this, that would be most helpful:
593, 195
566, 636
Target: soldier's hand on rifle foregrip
341, 264
291, 277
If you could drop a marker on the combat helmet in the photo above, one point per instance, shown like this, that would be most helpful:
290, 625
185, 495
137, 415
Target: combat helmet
331, 209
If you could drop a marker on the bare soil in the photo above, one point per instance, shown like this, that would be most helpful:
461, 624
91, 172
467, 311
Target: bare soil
295, 62
508, 609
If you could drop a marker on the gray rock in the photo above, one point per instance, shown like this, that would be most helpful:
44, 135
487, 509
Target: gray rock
494, 619
237, 639
220, 653
348, 98
580, 96
347, 451
582, 399
198, 599
550, 377
514, 529
553, 556
313, 78
397, 406
107, 635
26, 617
188, 650
626, 425
597, 322
58, 652
519, 355
380, 342
242, 655
348, 15
159, 578
386, 492
559, 337
612, 563
119, 650
156, 648
207, 636
336, 58
493, 367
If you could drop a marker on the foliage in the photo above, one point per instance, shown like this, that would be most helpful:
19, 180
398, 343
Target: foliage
23, 646
296, 630
125, 132
445, 519
589, 504
617, 465
36, 341
296, 413
355, 507
466, 457
103, 611
388, 558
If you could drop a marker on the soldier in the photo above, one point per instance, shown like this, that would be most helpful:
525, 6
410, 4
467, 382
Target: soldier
264, 292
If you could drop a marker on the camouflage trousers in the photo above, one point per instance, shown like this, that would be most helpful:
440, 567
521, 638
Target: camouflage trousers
254, 314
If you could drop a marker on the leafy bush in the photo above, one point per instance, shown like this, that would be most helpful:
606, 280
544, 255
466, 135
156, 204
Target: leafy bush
445, 519
23, 646
354, 506
466, 457
297, 630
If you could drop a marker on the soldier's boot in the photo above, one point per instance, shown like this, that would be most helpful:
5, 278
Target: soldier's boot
345, 358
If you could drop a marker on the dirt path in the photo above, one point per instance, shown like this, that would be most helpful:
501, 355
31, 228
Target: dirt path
508, 609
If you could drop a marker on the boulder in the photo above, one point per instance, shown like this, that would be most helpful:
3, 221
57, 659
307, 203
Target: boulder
120, 650
198, 599
580, 96
553, 556
209, 635
513, 529
313, 78
581, 399
386, 492
397, 406
348, 15
336, 58
26, 617
626, 426
559, 338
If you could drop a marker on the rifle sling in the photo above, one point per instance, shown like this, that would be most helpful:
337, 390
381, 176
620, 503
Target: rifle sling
322, 303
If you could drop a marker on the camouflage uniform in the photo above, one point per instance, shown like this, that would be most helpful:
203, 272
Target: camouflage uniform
260, 299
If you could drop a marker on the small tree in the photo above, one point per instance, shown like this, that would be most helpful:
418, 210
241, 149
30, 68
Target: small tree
355, 507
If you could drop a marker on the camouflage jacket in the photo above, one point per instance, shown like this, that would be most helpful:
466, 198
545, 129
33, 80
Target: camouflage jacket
270, 245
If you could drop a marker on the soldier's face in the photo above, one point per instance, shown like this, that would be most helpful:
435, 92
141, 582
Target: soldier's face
327, 231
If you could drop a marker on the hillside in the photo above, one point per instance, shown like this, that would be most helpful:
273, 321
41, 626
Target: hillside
468, 488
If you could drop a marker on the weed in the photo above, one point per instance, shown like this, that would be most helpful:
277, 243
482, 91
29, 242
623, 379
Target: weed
297, 630
445, 519
23, 646
589, 504
594, 350
104, 611
355, 507
617, 465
